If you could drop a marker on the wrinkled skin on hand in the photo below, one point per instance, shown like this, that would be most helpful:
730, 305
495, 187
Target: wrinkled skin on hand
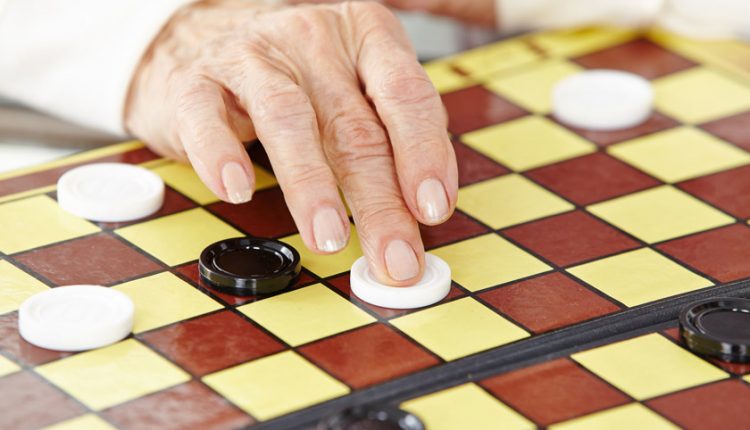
337, 97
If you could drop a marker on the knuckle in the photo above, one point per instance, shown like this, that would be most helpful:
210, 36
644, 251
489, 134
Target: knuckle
358, 144
310, 23
356, 131
283, 106
381, 210
307, 177
407, 88
189, 93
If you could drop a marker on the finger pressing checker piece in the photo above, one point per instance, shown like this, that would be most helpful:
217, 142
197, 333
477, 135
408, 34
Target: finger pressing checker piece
250, 266
432, 288
110, 192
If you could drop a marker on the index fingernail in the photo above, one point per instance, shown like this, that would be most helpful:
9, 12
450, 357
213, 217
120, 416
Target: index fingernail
401, 261
329, 232
236, 183
432, 201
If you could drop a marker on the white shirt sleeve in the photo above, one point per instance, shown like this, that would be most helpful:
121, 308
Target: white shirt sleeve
521, 15
717, 19
75, 58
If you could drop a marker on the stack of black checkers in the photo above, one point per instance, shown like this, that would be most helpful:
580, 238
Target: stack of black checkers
718, 328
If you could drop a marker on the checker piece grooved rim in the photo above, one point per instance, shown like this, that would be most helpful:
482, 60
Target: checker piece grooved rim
718, 327
250, 266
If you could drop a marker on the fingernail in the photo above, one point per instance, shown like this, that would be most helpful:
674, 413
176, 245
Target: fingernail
330, 235
401, 261
236, 183
431, 199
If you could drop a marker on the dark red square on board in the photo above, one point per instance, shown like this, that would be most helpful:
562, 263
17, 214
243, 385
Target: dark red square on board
12, 343
721, 405
99, 260
548, 302
554, 391
734, 129
266, 215
640, 56
187, 406
349, 356
728, 190
473, 166
570, 238
28, 402
723, 253
458, 227
213, 342
473, 108
592, 178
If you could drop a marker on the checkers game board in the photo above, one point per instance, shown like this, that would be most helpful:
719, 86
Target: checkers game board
572, 253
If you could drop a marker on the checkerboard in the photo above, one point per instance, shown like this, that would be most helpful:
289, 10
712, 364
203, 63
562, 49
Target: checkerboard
649, 381
563, 239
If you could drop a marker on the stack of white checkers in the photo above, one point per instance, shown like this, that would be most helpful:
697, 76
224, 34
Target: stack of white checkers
110, 192
432, 288
76, 318
603, 100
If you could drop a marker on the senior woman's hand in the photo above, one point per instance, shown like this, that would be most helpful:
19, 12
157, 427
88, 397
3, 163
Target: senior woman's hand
338, 99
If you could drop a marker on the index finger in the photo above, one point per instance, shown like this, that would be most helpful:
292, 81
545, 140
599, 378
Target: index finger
411, 110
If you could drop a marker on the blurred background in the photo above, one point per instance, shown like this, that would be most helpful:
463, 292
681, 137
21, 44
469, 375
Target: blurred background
28, 137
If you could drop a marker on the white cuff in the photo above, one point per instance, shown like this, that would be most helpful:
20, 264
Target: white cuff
521, 15
722, 19
76, 58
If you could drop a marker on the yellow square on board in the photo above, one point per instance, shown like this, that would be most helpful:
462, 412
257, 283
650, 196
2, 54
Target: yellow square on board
16, 286
178, 238
163, 299
627, 417
183, 178
38, 221
494, 58
648, 366
700, 95
327, 265
307, 314
659, 214
679, 154
509, 200
639, 277
275, 385
574, 42
7, 367
109, 376
445, 78
488, 260
465, 407
531, 86
84, 422
528, 142
459, 328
